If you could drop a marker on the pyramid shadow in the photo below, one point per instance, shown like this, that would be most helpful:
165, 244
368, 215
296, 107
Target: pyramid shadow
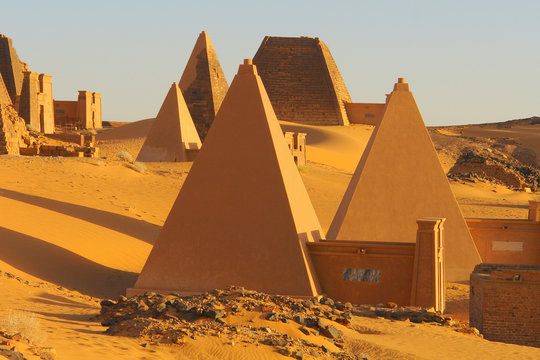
138, 229
57, 265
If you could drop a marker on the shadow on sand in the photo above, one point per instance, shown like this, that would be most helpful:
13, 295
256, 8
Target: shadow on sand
138, 229
57, 265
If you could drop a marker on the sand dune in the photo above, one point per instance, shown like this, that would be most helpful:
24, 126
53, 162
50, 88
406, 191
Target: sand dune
89, 224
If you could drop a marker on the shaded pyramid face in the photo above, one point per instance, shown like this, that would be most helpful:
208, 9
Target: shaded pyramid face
203, 84
173, 134
5, 99
399, 179
243, 215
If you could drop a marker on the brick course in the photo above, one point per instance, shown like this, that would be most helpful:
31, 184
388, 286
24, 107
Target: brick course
302, 80
505, 303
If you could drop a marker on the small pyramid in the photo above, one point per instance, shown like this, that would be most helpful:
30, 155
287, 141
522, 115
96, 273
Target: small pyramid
243, 216
173, 135
399, 179
203, 84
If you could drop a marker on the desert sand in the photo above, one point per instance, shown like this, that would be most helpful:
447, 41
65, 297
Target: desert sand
76, 231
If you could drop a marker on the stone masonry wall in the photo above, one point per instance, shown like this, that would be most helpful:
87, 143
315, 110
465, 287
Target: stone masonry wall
505, 303
12, 130
302, 80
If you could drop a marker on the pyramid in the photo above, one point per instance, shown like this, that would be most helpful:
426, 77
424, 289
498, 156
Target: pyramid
5, 99
302, 80
203, 84
172, 136
399, 179
243, 216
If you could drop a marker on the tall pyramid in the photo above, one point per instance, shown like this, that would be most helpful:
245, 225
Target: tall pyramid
173, 136
399, 179
203, 84
11, 68
243, 216
303, 81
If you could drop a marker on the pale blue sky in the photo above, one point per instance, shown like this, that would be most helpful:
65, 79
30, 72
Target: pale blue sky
466, 61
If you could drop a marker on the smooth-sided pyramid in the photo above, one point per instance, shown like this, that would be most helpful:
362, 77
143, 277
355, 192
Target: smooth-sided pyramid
172, 136
399, 179
243, 216
203, 84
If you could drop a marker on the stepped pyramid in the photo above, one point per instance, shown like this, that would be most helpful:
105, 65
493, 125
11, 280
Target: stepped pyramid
303, 81
203, 84
173, 136
399, 179
243, 216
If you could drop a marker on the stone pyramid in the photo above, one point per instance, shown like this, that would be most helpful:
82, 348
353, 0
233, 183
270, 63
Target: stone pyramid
399, 179
243, 216
203, 84
5, 99
173, 136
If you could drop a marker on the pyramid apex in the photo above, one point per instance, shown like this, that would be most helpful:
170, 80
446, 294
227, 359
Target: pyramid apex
247, 68
401, 85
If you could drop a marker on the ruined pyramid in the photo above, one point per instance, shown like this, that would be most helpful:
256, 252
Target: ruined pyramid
5, 99
173, 136
203, 84
243, 216
399, 179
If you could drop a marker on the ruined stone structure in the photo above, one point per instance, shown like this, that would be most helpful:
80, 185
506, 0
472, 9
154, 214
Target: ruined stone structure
399, 179
302, 80
36, 102
297, 145
12, 130
505, 303
11, 69
85, 113
203, 84
173, 136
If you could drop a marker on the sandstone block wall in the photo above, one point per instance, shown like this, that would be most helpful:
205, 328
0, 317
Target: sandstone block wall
302, 80
12, 130
505, 303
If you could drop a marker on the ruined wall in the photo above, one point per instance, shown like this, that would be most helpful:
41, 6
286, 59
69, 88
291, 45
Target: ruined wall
5, 99
36, 102
89, 110
364, 113
296, 143
505, 303
302, 80
11, 68
65, 115
12, 130
506, 241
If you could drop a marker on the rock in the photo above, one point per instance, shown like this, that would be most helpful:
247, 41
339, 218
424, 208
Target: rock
279, 342
12, 355
215, 313
161, 307
47, 353
305, 330
285, 352
307, 304
331, 332
314, 353
299, 355
149, 294
145, 345
327, 301
272, 317
362, 357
